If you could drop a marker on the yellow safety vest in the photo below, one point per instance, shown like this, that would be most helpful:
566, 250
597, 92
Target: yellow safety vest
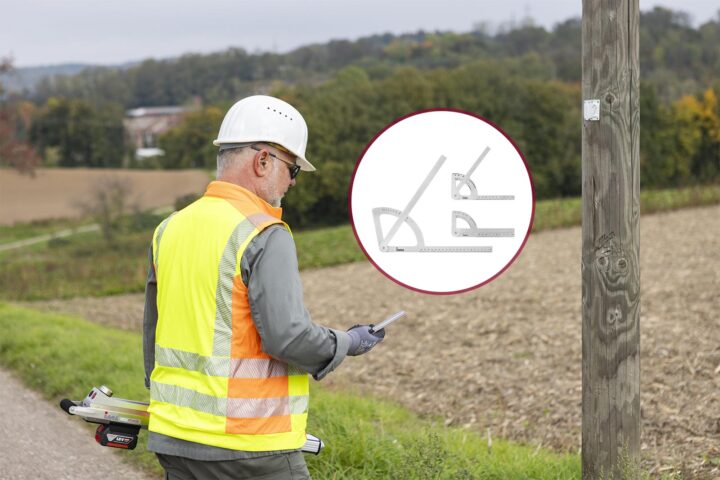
212, 383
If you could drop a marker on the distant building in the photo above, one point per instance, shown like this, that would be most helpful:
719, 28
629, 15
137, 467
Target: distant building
145, 124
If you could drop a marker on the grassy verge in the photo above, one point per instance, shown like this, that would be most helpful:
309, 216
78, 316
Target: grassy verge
63, 356
86, 265
567, 212
326, 247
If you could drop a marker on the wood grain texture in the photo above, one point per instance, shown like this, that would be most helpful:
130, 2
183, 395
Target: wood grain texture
611, 241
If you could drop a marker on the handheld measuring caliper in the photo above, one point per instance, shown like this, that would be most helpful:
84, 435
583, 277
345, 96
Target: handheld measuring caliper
387, 321
404, 217
458, 180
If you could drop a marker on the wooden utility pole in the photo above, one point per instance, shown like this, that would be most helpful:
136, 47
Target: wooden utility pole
611, 239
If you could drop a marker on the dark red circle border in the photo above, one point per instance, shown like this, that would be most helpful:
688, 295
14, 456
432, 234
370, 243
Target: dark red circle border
400, 119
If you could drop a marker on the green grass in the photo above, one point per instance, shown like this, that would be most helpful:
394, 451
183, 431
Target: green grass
326, 247
63, 357
86, 265
567, 212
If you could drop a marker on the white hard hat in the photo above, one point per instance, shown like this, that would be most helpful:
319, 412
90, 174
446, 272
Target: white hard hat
261, 118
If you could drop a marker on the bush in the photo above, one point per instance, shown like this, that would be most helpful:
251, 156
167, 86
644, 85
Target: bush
185, 200
108, 204
144, 220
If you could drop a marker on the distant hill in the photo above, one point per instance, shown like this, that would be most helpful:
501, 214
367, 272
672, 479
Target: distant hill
25, 79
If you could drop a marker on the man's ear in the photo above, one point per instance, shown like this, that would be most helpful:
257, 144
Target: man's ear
261, 163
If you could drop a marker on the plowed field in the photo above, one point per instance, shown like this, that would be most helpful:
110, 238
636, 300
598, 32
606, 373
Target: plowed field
63, 192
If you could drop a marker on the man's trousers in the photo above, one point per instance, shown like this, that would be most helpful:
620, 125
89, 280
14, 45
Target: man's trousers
288, 466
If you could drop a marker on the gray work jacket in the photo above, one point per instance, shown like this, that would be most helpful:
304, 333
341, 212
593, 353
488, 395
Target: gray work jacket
270, 271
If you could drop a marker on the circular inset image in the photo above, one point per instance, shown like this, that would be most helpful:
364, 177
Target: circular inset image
441, 201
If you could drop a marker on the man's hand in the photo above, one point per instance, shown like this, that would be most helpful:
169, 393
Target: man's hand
362, 340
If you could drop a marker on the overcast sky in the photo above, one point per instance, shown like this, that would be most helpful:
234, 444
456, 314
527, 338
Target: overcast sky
42, 32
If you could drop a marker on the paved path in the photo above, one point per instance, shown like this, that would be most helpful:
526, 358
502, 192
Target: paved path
44, 238
39, 441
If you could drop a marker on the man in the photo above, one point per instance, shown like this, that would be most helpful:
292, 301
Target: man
228, 343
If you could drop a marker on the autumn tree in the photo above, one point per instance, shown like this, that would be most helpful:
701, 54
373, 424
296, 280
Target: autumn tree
697, 121
15, 151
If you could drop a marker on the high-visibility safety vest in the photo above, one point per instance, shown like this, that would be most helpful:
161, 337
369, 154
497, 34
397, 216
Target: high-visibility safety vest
212, 383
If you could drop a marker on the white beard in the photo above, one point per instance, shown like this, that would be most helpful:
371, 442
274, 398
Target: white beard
277, 200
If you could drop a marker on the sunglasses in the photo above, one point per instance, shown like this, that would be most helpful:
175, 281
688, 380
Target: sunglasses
293, 167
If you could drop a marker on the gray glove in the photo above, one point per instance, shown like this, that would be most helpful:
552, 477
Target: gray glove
362, 340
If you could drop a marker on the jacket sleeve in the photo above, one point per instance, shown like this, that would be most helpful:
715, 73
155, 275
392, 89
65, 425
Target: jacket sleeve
270, 272
150, 319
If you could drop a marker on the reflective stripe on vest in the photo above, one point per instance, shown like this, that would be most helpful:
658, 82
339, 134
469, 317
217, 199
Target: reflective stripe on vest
212, 383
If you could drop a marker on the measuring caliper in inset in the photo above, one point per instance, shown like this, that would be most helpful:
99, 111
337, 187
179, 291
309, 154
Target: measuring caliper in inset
404, 217
458, 180
472, 229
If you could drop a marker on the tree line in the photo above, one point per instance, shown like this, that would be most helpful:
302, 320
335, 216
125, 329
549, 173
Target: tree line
679, 141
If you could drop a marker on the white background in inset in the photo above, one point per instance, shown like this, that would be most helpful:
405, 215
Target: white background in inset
394, 167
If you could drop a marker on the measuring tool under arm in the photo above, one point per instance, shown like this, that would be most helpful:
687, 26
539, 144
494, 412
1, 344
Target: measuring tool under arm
121, 420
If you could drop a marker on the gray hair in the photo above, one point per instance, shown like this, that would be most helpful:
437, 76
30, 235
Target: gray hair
229, 155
